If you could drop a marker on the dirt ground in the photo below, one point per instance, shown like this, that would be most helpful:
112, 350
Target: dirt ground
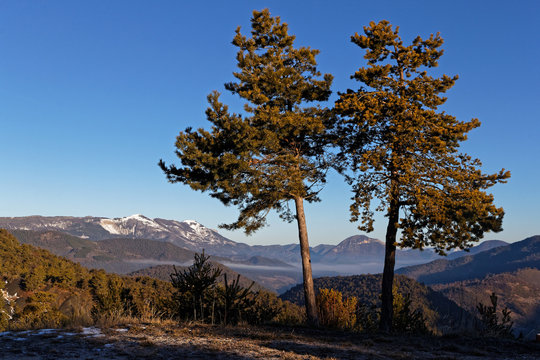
152, 341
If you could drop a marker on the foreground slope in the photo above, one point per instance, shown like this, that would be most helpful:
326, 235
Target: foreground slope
192, 341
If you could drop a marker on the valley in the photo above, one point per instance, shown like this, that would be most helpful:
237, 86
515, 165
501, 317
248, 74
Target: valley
125, 245
460, 281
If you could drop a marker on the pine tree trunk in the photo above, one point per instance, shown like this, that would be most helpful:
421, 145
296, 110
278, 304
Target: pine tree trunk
309, 291
387, 298
194, 308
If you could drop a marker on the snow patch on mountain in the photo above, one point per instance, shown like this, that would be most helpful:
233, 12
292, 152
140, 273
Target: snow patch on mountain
189, 233
198, 231
136, 217
130, 225
111, 226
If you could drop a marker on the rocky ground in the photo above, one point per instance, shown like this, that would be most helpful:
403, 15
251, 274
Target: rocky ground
170, 341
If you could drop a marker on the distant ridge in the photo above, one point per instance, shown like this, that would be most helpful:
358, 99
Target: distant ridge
119, 255
354, 255
187, 234
518, 255
483, 246
518, 290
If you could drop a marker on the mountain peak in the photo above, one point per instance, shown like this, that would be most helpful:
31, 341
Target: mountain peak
136, 217
196, 226
129, 225
358, 240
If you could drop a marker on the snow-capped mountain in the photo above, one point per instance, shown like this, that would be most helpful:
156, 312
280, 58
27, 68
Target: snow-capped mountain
187, 234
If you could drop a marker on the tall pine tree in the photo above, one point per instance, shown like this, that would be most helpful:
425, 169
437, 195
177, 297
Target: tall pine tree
405, 154
276, 151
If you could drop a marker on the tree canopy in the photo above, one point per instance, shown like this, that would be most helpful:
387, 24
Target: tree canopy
275, 151
404, 153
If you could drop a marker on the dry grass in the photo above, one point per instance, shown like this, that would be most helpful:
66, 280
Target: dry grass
153, 338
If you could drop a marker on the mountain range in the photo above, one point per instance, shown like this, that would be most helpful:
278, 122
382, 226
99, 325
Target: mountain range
132, 243
139, 245
187, 234
191, 235
518, 255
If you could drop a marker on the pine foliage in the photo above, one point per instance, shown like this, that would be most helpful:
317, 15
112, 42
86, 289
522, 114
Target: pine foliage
194, 285
401, 149
490, 325
235, 300
275, 151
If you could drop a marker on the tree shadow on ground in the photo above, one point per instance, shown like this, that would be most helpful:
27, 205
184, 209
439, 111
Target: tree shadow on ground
321, 350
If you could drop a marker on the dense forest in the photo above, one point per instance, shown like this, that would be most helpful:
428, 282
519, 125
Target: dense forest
44, 290
441, 314
40, 289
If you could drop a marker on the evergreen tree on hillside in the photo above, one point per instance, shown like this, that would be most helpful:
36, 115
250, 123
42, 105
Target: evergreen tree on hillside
195, 282
275, 152
404, 153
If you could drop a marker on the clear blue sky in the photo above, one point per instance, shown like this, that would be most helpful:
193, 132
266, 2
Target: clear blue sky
93, 93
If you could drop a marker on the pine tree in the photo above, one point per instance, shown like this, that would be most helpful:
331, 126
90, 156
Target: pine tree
275, 152
195, 282
405, 154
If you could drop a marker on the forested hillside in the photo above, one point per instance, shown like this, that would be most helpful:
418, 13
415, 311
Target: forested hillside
44, 290
39, 289
442, 314
518, 290
120, 255
128, 255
